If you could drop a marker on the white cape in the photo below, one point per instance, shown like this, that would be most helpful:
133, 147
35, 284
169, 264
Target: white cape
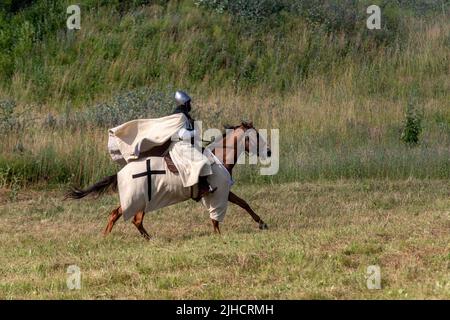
127, 141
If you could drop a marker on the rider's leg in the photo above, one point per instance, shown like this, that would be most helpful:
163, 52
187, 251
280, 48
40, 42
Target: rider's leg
204, 187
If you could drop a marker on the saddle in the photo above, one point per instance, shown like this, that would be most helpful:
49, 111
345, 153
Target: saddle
161, 151
170, 165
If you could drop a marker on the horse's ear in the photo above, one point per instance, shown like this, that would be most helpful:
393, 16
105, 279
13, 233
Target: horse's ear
247, 124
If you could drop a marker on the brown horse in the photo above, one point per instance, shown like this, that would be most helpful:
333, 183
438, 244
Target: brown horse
225, 149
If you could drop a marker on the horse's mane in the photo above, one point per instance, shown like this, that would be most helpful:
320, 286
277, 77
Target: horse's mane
245, 124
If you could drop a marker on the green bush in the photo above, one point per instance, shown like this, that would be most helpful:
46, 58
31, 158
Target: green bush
249, 9
10, 119
22, 25
413, 125
15, 5
347, 16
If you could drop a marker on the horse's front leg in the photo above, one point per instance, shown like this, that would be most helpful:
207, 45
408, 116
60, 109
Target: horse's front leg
244, 205
215, 224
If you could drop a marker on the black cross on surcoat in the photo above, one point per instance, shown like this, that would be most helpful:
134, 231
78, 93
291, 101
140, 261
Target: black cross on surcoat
148, 174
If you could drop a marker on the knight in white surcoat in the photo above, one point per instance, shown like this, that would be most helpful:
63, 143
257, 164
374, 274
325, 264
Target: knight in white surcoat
171, 135
188, 155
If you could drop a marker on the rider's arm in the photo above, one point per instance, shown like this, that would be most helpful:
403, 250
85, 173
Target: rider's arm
185, 134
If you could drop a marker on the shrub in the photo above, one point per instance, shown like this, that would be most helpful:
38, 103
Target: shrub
347, 16
249, 9
9, 120
413, 125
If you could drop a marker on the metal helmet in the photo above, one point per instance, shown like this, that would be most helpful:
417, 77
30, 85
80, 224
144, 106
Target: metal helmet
181, 97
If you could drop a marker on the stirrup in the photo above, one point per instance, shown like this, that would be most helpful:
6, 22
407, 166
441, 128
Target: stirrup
201, 195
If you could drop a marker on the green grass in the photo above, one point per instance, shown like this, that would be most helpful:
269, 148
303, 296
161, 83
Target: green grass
178, 43
338, 96
349, 194
321, 240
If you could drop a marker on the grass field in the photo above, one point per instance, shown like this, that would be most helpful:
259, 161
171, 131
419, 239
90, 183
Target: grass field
322, 238
364, 123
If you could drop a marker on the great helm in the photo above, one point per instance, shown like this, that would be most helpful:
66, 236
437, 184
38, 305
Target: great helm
181, 97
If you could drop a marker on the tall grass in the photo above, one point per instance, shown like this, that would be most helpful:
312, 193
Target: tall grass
338, 96
178, 43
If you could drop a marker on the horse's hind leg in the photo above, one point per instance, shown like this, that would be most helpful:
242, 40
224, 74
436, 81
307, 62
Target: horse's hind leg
244, 205
138, 221
113, 217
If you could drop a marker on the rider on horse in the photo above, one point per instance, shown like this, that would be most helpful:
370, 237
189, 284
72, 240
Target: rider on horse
187, 135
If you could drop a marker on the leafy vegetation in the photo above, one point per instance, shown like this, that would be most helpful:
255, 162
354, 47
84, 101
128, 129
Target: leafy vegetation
335, 90
413, 125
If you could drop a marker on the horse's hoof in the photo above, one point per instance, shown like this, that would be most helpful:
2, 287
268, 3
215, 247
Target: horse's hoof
263, 226
147, 237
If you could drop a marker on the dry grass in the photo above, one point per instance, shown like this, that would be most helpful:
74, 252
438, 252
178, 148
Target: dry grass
340, 119
321, 239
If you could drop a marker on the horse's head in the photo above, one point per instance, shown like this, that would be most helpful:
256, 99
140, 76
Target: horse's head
238, 139
254, 142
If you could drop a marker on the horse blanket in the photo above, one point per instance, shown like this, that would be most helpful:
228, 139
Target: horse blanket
147, 184
128, 141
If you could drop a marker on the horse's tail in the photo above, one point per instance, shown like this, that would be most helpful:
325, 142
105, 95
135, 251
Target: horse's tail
97, 188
